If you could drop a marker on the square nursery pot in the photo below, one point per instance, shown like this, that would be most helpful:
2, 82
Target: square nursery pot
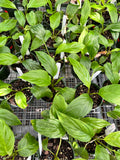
4, 72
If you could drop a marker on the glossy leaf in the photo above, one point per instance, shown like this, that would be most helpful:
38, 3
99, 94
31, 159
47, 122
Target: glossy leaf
85, 61
40, 92
81, 72
26, 43
115, 27
113, 139
8, 59
6, 139
73, 47
111, 93
20, 17
102, 40
71, 10
115, 114
20, 100
7, 4
55, 20
49, 128
3, 40
10, 118
97, 17
76, 128
85, 12
47, 62
5, 91
30, 64
38, 77
80, 106
27, 146
4, 49
31, 18
36, 4
7, 25
101, 153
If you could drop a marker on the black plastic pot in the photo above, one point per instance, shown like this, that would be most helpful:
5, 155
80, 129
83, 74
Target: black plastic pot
4, 72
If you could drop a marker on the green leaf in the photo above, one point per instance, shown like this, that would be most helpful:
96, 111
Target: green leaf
7, 4
85, 12
38, 77
115, 114
115, 27
97, 17
20, 17
8, 59
31, 18
50, 128
26, 43
3, 40
82, 35
4, 15
71, 10
16, 35
75, 28
27, 146
4, 105
111, 93
80, 106
76, 128
45, 144
101, 153
7, 25
82, 152
4, 85
102, 40
4, 49
45, 114
30, 64
40, 92
73, 47
113, 139
112, 12
60, 2
81, 72
55, 20
117, 154
6, 139
47, 62
24, 3
39, 15
20, 100
5, 91
115, 60
10, 118
85, 61
36, 4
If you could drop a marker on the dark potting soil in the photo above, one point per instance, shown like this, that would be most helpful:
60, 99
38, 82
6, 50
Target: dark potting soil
17, 85
93, 89
106, 15
65, 152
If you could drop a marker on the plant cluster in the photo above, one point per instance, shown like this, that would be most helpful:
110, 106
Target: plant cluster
38, 39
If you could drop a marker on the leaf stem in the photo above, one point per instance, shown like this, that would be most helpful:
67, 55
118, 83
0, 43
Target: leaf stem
59, 147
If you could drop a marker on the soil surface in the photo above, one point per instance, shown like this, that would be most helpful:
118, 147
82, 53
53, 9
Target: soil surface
65, 152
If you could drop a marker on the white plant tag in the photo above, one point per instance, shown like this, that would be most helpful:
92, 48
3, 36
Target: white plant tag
58, 7
58, 70
96, 74
29, 158
62, 53
119, 19
19, 71
63, 31
110, 129
40, 143
65, 137
113, 1
21, 40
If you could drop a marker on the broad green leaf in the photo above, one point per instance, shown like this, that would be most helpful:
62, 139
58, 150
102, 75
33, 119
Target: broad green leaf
4, 15
82, 35
102, 40
55, 20
24, 3
4, 49
30, 64
85, 12
38, 77
80, 106
113, 139
45, 114
71, 10
96, 67
26, 43
97, 17
101, 153
112, 12
6, 139
115, 35
115, 27
82, 152
47, 62
40, 92
8, 59
20, 17
115, 60
4, 105
7, 25
76, 128
115, 114
4, 85
7, 4
75, 28
117, 154
10, 118
3, 40
5, 91
16, 35
49, 128
36, 4
31, 18
85, 61
111, 93
39, 15
20, 100
81, 72
73, 47
27, 146
45, 144
39, 31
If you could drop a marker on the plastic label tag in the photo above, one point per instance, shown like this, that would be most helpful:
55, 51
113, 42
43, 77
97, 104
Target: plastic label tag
19, 71
21, 40
96, 74
65, 137
110, 129
113, 1
29, 158
63, 31
58, 70
62, 53
40, 143
58, 7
